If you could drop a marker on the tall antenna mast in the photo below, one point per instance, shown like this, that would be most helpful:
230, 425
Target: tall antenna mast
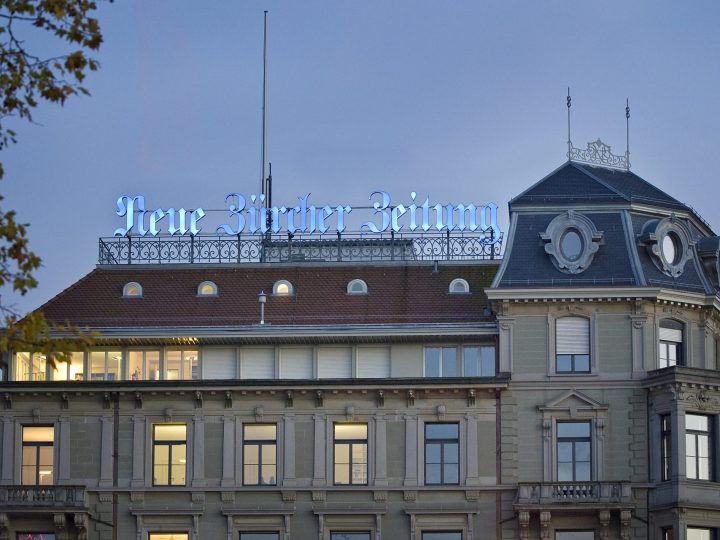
569, 142
264, 106
627, 133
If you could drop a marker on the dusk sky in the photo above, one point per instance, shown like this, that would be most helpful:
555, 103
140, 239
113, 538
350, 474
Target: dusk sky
460, 100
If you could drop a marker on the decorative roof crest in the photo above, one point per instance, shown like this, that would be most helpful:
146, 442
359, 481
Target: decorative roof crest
597, 152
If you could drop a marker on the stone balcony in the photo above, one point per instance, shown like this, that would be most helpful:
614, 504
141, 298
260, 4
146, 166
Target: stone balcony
574, 494
43, 497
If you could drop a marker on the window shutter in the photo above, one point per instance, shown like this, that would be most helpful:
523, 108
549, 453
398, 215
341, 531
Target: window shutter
334, 362
258, 364
373, 362
218, 364
670, 334
296, 363
572, 335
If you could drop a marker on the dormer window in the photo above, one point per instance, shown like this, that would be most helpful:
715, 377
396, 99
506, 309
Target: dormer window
132, 289
283, 288
207, 288
459, 286
357, 286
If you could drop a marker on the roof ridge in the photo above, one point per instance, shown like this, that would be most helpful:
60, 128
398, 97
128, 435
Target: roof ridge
601, 181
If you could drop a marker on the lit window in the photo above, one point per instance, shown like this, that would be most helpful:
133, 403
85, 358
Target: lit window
351, 454
670, 343
35, 536
71, 370
182, 365
573, 451
132, 289
207, 288
441, 362
442, 454
698, 447
37, 455
459, 286
478, 361
572, 345
357, 286
665, 448
695, 533
169, 454
283, 288
350, 536
144, 365
105, 366
168, 536
259, 455
30, 367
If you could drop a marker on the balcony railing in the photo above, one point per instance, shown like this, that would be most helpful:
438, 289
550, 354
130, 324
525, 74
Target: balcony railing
558, 493
43, 496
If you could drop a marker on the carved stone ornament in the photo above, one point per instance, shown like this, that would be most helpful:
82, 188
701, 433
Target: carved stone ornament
571, 240
668, 243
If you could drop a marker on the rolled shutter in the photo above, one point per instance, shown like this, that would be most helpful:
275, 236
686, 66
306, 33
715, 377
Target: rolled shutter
218, 364
670, 334
258, 364
334, 362
373, 362
296, 363
572, 335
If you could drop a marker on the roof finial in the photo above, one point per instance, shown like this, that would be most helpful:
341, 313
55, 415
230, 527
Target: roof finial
569, 103
627, 133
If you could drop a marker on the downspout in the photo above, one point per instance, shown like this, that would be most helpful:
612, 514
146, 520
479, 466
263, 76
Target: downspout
498, 464
116, 437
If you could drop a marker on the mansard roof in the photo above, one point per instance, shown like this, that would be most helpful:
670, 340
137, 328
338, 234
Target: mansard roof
578, 183
398, 293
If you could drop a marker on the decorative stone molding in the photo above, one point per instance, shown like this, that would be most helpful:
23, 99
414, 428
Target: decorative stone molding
105, 497
4, 527
380, 400
349, 412
138, 400
701, 399
197, 497
440, 411
289, 399
198, 399
472, 495
228, 399
60, 524
411, 398
168, 414
7, 399
625, 519
319, 398
471, 394
604, 518
556, 238
657, 235
227, 497
289, 496
410, 496
259, 412
319, 496
137, 497
81, 524
379, 496
64, 400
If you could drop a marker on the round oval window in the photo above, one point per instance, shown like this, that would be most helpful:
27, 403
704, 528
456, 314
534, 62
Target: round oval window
571, 244
670, 248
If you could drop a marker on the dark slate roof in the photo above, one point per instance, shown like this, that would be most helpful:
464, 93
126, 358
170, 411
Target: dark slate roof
577, 183
529, 265
402, 294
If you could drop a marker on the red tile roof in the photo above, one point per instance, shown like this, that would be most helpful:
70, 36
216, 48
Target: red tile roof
398, 294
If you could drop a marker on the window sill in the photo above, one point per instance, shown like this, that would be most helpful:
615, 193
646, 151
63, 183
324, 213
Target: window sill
572, 375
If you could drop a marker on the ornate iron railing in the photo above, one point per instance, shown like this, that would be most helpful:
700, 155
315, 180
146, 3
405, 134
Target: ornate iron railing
43, 496
574, 492
269, 249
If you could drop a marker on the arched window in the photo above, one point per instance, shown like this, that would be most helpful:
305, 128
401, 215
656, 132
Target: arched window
572, 345
132, 289
357, 286
670, 345
283, 287
207, 288
459, 286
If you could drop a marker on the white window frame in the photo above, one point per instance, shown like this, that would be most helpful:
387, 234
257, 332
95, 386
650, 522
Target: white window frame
212, 284
459, 281
552, 344
281, 282
351, 287
130, 284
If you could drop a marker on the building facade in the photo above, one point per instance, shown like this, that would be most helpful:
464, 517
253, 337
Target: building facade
567, 391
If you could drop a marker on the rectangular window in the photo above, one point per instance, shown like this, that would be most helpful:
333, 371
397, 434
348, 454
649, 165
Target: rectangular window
105, 366
37, 455
441, 362
698, 447
144, 365
351, 454
259, 454
479, 361
182, 365
667, 534
442, 454
259, 536
670, 343
573, 452
350, 536
572, 345
666, 447
442, 535
72, 370
574, 535
695, 533
169, 454
35, 536
30, 367
168, 536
